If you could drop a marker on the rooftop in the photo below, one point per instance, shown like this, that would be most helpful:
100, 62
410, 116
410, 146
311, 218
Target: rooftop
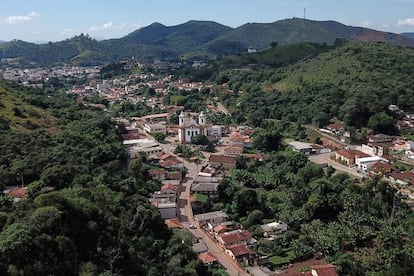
211, 215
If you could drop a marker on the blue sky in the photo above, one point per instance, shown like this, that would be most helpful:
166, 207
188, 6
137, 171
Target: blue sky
53, 20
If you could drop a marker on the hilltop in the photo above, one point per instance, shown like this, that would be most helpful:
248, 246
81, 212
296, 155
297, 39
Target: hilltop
355, 83
193, 39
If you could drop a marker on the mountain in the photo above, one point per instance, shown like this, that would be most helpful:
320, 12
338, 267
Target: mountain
194, 39
260, 35
409, 35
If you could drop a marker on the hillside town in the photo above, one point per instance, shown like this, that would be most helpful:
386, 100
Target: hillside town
189, 176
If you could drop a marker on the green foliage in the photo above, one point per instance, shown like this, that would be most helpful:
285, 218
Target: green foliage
159, 136
98, 220
328, 215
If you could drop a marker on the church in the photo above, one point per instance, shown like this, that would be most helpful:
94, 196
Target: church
189, 127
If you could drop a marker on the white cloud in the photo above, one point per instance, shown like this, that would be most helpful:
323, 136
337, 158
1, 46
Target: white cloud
101, 27
13, 19
406, 22
366, 24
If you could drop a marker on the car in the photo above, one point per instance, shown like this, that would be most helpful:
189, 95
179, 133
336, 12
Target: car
191, 226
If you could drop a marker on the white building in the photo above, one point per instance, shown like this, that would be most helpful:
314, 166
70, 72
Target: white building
190, 128
365, 163
154, 128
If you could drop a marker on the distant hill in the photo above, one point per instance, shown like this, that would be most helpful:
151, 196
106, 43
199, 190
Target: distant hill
409, 35
194, 39
260, 35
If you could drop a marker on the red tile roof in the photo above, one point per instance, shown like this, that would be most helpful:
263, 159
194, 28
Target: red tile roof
239, 250
235, 236
351, 154
220, 228
207, 257
17, 192
324, 270
168, 186
156, 172
222, 159
404, 177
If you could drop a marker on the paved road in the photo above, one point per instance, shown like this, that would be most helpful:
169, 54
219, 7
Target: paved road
325, 158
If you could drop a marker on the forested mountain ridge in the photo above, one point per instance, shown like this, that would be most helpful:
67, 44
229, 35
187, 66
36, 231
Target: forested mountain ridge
355, 83
97, 218
194, 38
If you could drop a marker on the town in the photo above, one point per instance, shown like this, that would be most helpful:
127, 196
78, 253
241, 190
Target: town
189, 155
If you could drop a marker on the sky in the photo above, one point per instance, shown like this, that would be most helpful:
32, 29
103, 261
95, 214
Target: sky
55, 20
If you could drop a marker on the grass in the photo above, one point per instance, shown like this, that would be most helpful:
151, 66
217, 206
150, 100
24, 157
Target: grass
201, 198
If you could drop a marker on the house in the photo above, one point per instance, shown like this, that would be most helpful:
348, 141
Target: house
18, 193
142, 146
168, 189
380, 138
365, 163
374, 149
323, 270
335, 128
236, 139
155, 128
199, 247
227, 239
239, 253
226, 161
207, 258
233, 150
381, 168
273, 228
204, 188
305, 148
167, 210
157, 118
211, 219
348, 156
402, 179
159, 175
248, 143
219, 229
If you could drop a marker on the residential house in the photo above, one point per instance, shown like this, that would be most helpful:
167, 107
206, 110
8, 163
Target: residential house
18, 193
233, 150
211, 219
226, 161
209, 189
155, 128
302, 147
239, 253
237, 139
403, 178
236, 237
169, 189
380, 138
167, 210
323, 270
207, 258
335, 128
348, 156
381, 168
169, 161
272, 228
159, 175
219, 229
199, 247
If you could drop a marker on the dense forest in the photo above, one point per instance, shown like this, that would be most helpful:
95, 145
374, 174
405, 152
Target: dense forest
354, 82
97, 218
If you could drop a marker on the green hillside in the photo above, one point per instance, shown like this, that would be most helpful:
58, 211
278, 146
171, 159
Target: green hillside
86, 212
355, 83
193, 40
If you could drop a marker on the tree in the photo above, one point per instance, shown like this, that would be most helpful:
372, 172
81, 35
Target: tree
159, 136
199, 139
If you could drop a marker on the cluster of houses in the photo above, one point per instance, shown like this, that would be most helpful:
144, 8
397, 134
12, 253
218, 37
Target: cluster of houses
236, 243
